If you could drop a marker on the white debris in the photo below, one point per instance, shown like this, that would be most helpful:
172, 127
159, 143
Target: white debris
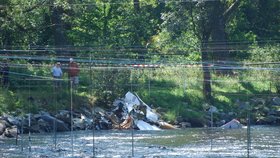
145, 126
233, 124
132, 101
139, 111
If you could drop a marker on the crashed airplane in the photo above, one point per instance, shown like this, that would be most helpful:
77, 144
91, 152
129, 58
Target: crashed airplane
131, 111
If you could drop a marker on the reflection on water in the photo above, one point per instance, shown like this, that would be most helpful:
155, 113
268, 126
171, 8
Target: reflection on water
192, 143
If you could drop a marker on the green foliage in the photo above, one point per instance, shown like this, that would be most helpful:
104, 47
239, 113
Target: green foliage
114, 33
110, 84
170, 115
8, 101
173, 97
267, 54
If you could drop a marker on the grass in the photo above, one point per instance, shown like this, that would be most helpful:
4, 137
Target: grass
175, 91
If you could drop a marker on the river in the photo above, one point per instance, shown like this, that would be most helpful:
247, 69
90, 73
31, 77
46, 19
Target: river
188, 143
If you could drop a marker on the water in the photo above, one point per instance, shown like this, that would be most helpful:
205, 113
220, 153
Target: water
188, 143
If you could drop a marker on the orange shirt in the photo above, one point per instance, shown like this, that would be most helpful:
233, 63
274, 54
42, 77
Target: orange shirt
73, 69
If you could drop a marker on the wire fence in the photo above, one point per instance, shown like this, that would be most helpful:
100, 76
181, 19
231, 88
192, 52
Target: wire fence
35, 81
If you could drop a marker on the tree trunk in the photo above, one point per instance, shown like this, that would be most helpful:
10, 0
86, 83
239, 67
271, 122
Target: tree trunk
219, 44
206, 72
137, 34
59, 32
214, 27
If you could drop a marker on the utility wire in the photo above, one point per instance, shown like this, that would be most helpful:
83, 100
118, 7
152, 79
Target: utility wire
132, 63
44, 78
216, 45
198, 65
104, 47
101, 3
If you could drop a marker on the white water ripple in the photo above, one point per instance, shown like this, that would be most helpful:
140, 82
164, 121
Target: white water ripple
199, 143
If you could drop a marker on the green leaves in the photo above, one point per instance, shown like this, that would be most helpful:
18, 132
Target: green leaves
268, 53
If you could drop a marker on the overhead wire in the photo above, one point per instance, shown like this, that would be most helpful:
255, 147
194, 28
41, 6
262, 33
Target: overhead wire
85, 68
220, 43
127, 60
31, 60
98, 3
45, 78
188, 65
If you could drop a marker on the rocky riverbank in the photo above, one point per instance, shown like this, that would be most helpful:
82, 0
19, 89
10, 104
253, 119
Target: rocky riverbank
263, 112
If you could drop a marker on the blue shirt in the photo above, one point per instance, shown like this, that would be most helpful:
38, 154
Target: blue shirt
56, 72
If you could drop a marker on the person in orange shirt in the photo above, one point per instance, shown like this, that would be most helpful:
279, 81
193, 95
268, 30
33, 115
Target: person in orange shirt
73, 72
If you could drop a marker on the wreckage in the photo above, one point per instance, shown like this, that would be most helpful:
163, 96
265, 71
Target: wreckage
233, 124
132, 112
129, 112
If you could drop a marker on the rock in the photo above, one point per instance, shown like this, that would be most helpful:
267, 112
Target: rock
197, 122
86, 112
2, 127
213, 109
272, 112
220, 123
36, 116
180, 119
232, 114
185, 124
13, 120
60, 125
44, 126
35, 129
276, 101
100, 111
64, 116
25, 120
11, 132
271, 119
104, 123
258, 101
243, 105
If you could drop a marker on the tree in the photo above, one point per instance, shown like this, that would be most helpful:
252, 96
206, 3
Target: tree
57, 11
207, 20
211, 25
5, 39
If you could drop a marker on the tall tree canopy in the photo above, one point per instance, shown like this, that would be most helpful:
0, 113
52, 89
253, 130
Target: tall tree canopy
207, 31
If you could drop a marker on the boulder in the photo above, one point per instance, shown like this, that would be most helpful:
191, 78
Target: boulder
11, 132
276, 101
2, 127
64, 116
44, 126
13, 120
270, 119
185, 124
60, 125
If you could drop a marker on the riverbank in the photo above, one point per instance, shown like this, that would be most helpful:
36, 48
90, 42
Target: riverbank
49, 111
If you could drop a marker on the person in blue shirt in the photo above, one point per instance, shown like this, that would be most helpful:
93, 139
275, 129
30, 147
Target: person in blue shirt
57, 75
